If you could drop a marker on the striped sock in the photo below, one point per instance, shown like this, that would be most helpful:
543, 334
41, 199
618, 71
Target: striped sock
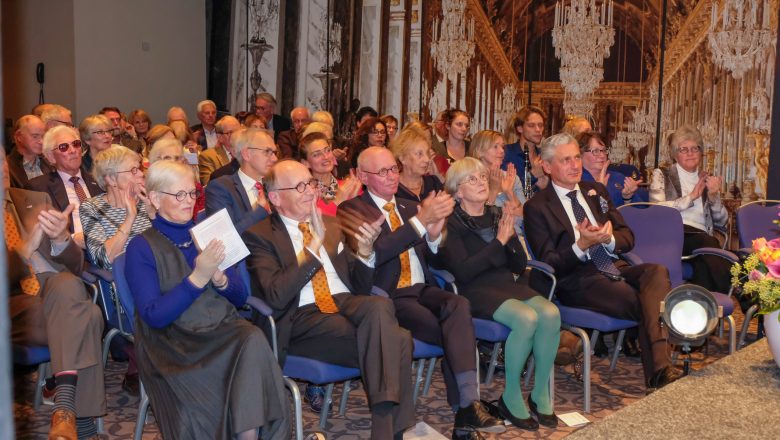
65, 393
85, 427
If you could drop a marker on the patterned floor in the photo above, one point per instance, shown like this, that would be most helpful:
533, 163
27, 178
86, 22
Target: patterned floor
610, 392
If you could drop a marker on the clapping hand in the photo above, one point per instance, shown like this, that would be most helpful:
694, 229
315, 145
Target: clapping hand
207, 263
506, 227
698, 189
53, 224
603, 176
508, 179
349, 188
593, 234
367, 234
713, 184
317, 226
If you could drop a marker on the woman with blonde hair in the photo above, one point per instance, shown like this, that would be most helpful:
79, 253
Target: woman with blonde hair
412, 150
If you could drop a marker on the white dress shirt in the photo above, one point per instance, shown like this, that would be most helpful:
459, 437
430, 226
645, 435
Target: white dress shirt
249, 186
211, 137
566, 202
418, 275
70, 190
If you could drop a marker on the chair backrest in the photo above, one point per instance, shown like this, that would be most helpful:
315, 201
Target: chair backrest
124, 296
658, 236
754, 220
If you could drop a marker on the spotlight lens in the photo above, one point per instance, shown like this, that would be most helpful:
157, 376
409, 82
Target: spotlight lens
689, 317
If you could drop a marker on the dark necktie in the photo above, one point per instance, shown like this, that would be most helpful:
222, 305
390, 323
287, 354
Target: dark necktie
598, 255
79, 190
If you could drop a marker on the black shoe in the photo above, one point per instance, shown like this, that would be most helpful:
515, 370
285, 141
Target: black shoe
466, 434
631, 348
131, 384
315, 396
528, 424
664, 376
549, 420
476, 418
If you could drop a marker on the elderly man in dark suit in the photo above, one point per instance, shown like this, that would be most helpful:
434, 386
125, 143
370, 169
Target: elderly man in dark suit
574, 227
243, 193
265, 106
49, 306
69, 183
26, 159
411, 234
318, 290
288, 140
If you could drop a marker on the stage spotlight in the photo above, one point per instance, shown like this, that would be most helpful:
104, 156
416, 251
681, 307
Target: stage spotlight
691, 314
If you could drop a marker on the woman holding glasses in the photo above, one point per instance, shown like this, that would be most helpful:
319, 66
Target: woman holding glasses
209, 373
595, 161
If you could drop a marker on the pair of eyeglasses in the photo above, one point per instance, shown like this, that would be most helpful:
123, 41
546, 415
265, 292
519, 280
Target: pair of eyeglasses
319, 153
597, 151
383, 172
102, 132
686, 150
133, 171
379, 132
301, 186
267, 151
474, 180
181, 195
63, 147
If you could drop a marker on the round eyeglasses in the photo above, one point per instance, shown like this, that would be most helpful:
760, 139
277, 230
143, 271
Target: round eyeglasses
474, 180
133, 171
301, 186
181, 195
686, 150
383, 172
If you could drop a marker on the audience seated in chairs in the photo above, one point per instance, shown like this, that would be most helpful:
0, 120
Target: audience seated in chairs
319, 291
214, 158
317, 154
484, 254
49, 306
574, 227
265, 106
112, 219
69, 183
595, 162
26, 160
243, 193
411, 235
209, 373
692, 191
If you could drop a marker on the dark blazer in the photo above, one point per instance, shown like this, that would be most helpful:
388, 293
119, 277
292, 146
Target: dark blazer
391, 244
16, 169
551, 235
228, 192
200, 135
52, 184
277, 278
227, 170
280, 124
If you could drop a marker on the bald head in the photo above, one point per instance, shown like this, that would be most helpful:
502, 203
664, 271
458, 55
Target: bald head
300, 117
282, 182
28, 135
373, 162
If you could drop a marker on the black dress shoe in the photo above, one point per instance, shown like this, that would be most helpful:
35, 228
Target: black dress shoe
549, 420
664, 376
476, 418
528, 424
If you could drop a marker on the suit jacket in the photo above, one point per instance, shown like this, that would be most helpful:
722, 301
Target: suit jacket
210, 160
226, 170
200, 136
228, 192
16, 169
280, 124
71, 259
390, 244
52, 184
288, 144
551, 235
277, 278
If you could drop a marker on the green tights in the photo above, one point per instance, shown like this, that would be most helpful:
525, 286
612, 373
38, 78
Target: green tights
535, 325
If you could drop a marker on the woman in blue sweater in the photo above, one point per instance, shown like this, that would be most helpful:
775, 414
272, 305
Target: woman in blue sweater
209, 373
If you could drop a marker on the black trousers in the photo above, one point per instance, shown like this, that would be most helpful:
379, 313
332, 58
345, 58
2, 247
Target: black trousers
637, 298
709, 271
442, 318
363, 334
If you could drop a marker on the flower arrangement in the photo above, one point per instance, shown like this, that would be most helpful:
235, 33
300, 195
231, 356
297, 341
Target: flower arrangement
759, 275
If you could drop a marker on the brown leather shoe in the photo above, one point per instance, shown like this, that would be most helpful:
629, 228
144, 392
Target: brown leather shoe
568, 349
63, 425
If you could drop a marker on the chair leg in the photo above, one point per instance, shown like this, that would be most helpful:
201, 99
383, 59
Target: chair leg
618, 348
143, 407
429, 376
345, 397
586, 349
594, 339
296, 395
745, 324
552, 389
39, 384
99, 424
326, 405
107, 343
529, 370
418, 378
493, 361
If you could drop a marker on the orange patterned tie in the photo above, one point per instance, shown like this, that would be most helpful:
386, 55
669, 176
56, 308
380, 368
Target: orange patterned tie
30, 285
319, 282
405, 280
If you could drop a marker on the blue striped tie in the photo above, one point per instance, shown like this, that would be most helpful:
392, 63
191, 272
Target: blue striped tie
598, 255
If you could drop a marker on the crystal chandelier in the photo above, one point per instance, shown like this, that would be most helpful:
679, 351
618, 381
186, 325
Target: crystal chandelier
740, 37
508, 103
578, 107
582, 35
453, 46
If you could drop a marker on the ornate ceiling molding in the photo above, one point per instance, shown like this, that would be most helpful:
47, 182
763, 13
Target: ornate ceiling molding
489, 46
693, 33
626, 91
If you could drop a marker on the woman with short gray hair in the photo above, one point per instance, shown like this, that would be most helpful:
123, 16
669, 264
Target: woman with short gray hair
96, 133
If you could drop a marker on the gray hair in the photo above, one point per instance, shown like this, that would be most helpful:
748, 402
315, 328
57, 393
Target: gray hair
684, 133
55, 111
459, 170
155, 154
90, 122
204, 103
323, 116
267, 97
53, 133
550, 145
165, 173
109, 160
241, 139
220, 125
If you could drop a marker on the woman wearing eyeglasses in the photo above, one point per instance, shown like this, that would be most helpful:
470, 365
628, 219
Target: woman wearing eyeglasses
688, 188
371, 133
317, 154
96, 133
595, 160
168, 148
484, 254
209, 373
